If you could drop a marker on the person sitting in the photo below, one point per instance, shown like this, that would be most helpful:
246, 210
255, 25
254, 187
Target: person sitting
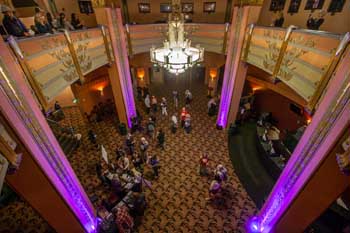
12, 24
221, 172
43, 26
137, 162
57, 106
203, 165
63, 23
75, 22
124, 163
119, 152
139, 204
153, 162
214, 189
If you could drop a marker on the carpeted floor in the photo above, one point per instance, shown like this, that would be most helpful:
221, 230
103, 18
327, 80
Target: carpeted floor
177, 202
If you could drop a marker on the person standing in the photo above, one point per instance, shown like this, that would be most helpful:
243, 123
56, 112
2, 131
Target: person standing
161, 138
176, 99
203, 165
183, 116
187, 125
143, 148
130, 143
154, 103
188, 97
173, 123
148, 104
163, 106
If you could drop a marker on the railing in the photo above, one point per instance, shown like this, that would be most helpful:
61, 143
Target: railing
53, 62
142, 37
302, 59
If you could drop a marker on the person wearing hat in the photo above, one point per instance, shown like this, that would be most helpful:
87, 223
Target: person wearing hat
12, 24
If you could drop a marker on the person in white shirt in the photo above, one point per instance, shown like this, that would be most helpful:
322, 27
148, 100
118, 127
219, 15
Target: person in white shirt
148, 104
163, 106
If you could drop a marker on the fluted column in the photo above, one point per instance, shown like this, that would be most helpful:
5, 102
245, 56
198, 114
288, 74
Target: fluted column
233, 64
327, 126
18, 106
112, 19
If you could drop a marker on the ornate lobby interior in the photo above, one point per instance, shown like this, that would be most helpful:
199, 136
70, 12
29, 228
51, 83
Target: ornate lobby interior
244, 106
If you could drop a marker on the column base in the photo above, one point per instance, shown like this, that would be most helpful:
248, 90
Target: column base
219, 127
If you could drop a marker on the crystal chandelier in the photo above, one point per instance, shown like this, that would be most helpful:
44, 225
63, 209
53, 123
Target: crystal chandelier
176, 55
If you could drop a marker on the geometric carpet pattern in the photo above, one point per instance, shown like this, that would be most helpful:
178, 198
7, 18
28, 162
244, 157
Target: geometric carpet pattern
177, 200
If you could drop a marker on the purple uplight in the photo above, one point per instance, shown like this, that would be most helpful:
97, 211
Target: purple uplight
253, 225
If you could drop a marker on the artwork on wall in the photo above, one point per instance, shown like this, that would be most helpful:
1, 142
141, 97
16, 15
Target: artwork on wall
144, 8
187, 8
165, 8
277, 5
336, 6
294, 6
85, 7
314, 4
209, 7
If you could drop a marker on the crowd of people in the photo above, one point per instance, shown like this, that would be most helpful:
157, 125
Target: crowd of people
44, 22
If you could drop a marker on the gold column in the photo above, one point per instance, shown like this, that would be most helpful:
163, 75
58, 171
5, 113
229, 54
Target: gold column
282, 50
247, 43
224, 45
129, 39
28, 72
106, 43
74, 55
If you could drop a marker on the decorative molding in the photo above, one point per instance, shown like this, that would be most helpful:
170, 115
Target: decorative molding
280, 196
70, 188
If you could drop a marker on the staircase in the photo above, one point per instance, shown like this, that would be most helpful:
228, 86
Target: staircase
65, 136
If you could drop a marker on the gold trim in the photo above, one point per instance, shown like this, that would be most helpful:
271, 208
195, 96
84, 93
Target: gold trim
129, 39
105, 41
247, 46
28, 73
74, 56
7, 151
224, 44
282, 50
327, 76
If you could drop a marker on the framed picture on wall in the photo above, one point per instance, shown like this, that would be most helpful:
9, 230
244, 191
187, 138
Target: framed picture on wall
165, 8
277, 5
187, 8
294, 6
144, 8
314, 4
209, 7
336, 6
85, 7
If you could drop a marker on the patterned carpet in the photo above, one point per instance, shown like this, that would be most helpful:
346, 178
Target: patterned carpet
177, 203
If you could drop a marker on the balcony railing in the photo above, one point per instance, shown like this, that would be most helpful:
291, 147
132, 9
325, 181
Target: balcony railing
302, 59
53, 62
210, 36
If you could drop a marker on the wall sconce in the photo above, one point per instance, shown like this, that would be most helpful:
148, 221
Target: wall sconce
101, 90
213, 72
140, 72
